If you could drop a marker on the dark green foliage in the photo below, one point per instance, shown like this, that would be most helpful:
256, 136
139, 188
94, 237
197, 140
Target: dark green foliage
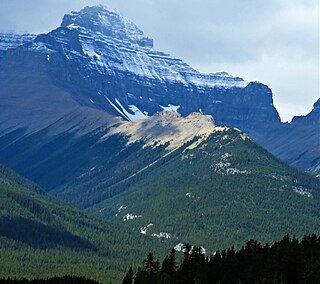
149, 273
40, 237
169, 267
54, 280
288, 261
128, 279
263, 199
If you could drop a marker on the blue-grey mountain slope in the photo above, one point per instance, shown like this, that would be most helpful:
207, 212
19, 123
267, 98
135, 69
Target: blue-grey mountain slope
297, 142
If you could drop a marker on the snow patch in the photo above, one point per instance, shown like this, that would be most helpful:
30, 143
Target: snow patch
73, 26
302, 191
234, 171
131, 95
244, 137
137, 113
132, 117
130, 216
121, 208
144, 230
180, 247
170, 107
116, 108
162, 235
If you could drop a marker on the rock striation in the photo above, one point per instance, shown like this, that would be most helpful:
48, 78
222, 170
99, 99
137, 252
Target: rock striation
108, 64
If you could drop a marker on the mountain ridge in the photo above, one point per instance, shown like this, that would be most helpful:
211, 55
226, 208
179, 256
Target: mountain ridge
191, 190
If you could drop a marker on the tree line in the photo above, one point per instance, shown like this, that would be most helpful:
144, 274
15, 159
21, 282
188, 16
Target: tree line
286, 261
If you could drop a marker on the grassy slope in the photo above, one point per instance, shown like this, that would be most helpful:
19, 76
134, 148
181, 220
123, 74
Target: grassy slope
40, 237
221, 209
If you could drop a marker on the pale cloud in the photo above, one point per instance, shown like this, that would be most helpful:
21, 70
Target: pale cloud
275, 41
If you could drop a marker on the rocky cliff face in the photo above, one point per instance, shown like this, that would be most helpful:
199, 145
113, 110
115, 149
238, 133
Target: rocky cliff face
107, 63
9, 40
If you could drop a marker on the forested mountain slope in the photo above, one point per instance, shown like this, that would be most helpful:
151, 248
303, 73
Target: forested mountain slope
40, 237
216, 192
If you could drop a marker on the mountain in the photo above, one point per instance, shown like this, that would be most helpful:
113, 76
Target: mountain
214, 189
41, 237
75, 82
297, 142
128, 149
107, 63
99, 67
98, 62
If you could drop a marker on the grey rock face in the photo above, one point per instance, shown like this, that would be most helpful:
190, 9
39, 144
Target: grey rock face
108, 64
8, 40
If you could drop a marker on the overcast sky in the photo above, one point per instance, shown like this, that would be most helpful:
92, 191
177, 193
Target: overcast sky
275, 42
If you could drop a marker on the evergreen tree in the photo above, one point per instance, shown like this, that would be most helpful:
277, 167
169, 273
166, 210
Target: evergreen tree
169, 268
287, 261
128, 279
150, 271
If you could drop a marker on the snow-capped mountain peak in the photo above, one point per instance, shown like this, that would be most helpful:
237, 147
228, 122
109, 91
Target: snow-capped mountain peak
108, 22
112, 43
116, 69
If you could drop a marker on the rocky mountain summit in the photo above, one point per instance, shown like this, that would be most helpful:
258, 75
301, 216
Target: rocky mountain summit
107, 22
114, 67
